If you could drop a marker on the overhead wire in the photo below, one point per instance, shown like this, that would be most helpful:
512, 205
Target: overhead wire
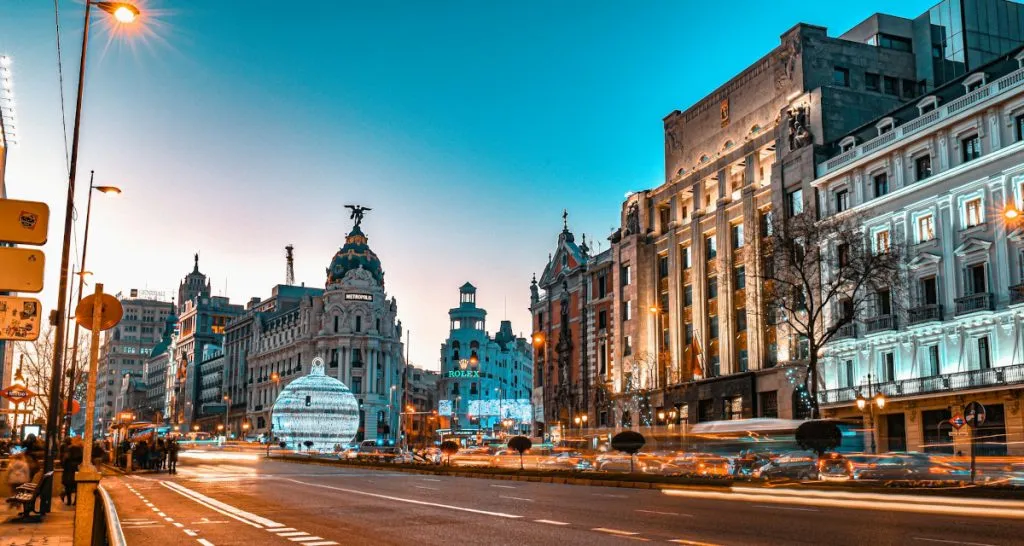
60, 79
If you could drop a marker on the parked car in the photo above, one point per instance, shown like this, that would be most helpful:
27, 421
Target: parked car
696, 464
620, 463
572, 460
913, 466
744, 466
795, 465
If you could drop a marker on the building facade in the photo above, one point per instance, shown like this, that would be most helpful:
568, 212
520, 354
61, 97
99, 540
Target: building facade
421, 396
154, 373
126, 348
352, 324
486, 382
936, 177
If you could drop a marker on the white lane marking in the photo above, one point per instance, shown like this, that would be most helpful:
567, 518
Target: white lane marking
865, 505
281, 529
503, 486
142, 525
191, 533
692, 542
665, 513
324, 543
514, 498
614, 531
293, 534
204, 542
409, 501
252, 519
550, 522
610, 496
786, 508
430, 480
305, 539
425, 487
953, 541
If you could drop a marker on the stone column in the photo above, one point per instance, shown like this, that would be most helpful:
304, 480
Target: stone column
726, 341
1000, 262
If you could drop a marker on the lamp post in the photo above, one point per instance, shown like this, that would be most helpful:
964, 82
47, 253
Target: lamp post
276, 379
868, 405
123, 13
227, 418
82, 272
391, 394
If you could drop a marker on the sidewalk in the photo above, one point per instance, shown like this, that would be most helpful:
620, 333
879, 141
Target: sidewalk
56, 529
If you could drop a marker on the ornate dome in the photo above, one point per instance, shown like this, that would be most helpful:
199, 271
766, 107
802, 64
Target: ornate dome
316, 408
355, 254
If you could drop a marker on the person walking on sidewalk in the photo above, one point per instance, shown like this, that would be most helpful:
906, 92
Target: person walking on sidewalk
72, 460
172, 457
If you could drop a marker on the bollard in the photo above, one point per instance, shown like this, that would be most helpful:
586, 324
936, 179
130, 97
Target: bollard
85, 506
128, 462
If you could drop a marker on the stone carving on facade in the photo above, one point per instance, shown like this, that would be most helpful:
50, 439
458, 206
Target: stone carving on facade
673, 141
633, 218
799, 135
789, 53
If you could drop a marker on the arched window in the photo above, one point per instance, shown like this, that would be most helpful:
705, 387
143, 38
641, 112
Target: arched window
755, 130
335, 324
704, 158
359, 323
728, 145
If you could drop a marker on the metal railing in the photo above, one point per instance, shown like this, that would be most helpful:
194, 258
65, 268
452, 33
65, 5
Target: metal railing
973, 303
106, 528
846, 331
925, 313
992, 89
880, 323
971, 379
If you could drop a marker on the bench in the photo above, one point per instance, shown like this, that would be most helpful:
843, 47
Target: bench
27, 494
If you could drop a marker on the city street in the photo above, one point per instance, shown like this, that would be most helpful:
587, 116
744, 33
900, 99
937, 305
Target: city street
244, 499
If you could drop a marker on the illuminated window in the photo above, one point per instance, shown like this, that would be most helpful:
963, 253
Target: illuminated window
925, 228
973, 212
881, 241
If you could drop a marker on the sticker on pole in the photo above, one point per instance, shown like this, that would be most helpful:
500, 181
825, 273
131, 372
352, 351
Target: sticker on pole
974, 414
24, 222
19, 318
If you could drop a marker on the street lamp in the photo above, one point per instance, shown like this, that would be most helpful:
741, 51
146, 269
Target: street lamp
275, 378
124, 13
227, 417
82, 272
877, 400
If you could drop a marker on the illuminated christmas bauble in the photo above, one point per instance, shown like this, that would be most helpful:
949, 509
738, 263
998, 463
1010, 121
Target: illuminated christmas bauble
316, 408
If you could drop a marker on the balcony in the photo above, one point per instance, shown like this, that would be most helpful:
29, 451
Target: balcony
951, 382
880, 323
1017, 294
973, 303
846, 331
925, 313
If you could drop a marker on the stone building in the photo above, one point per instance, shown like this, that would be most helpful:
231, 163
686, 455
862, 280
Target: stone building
421, 397
484, 380
201, 322
125, 349
352, 325
154, 373
936, 177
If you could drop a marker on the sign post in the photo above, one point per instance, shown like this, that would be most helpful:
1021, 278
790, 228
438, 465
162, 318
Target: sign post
974, 416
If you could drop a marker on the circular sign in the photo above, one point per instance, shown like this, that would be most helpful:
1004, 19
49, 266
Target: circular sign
974, 414
110, 312
75, 407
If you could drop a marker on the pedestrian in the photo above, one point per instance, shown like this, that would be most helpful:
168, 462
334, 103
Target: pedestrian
99, 453
172, 457
158, 454
71, 462
122, 452
19, 471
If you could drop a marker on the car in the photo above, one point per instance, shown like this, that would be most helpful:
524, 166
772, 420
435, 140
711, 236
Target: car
745, 465
505, 458
349, 454
620, 463
795, 465
914, 466
571, 460
696, 465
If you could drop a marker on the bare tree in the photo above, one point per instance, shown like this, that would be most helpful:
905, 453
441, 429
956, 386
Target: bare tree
820, 277
36, 357
639, 378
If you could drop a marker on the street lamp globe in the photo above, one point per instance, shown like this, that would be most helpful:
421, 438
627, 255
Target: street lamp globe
880, 400
861, 402
123, 12
577, 420
1011, 213
108, 189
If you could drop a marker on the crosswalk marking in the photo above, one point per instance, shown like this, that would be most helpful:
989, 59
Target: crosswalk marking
324, 543
293, 534
305, 539
281, 529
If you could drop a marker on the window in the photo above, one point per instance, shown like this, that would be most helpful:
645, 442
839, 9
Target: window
359, 323
710, 247
740, 277
883, 303
689, 334
357, 386
795, 202
769, 402
909, 89
602, 286
627, 311
712, 287
881, 183
803, 348
737, 236
733, 408
742, 360
929, 291
846, 374
841, 76
663, 216
765, 223
922, 167
684, 256
973, 212
713, 327
976, 279
336, 324
662, 267
687, 295
970, 148
602, 320
890, 85
842, 200
843, 254
357, 358
625, 275
1018, 123
984, 358
741, 321
882, 241
872, 81
888, 363
925, 228
975, 85
897, 43
627, 346
931, 367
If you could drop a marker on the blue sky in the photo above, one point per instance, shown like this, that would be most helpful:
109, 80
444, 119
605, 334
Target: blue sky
236, 128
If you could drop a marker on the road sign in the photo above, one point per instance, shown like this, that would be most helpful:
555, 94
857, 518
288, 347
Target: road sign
17, 394
974, 414
957, 421
22, 270
111, 312
19, 318
24, 222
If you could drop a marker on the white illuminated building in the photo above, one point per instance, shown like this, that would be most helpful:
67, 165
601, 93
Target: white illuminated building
936, 177
486, 382
316, 412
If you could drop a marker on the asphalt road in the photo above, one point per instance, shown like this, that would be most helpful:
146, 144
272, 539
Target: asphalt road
220, 502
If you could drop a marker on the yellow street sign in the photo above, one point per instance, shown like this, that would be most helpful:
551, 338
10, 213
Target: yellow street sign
19, 318
24, 222
21, 270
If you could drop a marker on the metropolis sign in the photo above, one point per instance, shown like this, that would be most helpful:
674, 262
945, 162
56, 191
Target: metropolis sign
464, 373
359, 297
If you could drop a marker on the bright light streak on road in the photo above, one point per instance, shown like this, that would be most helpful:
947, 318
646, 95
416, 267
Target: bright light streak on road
219, 455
